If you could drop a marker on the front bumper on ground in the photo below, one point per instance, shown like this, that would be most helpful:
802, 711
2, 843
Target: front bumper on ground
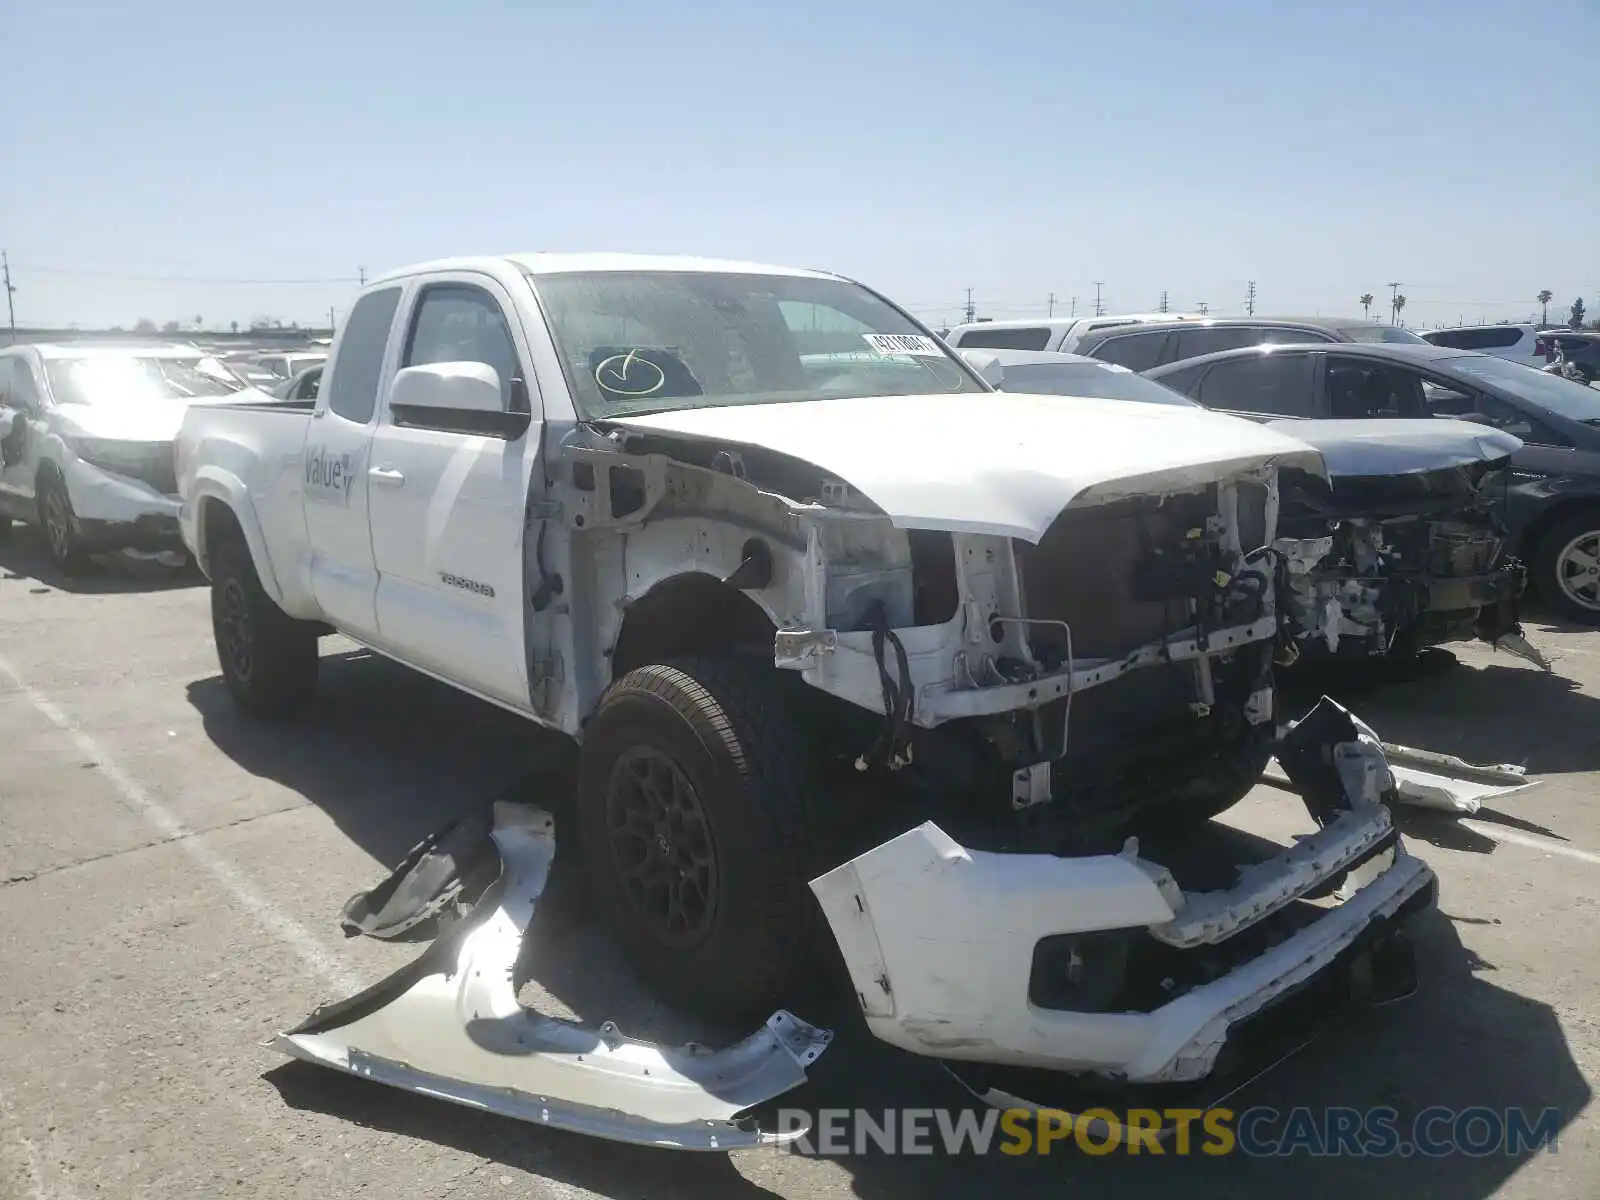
939, 941
450, 1026
115, 512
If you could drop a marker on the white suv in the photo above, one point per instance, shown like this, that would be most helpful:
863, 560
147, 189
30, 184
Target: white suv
1519, 343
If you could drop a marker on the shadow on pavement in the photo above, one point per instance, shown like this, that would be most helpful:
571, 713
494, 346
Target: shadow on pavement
23, 557
1462, 1042
1488, 714
390, 755
386, 752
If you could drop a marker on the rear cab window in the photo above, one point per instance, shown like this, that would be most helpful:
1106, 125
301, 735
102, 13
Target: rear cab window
353, 374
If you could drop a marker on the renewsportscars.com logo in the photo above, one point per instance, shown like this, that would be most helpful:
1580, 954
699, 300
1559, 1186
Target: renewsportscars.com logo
1434, 1132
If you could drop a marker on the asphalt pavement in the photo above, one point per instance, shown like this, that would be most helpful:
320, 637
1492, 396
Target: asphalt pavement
171, 876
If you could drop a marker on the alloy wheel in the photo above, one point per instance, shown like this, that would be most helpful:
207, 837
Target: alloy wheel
661, 845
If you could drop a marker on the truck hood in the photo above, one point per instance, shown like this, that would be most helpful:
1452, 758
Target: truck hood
1002, 463
140, 421
1384, 447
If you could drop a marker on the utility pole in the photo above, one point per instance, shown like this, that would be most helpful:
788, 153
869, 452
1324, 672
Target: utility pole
1163, 299
11, 305
1203, 307
330, 318
1394, 309
1099, 309
1074, 306
361, 273
972, 313
1250, 300
1052, 304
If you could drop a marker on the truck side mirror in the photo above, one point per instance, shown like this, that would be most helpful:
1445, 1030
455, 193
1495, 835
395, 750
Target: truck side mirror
456, 397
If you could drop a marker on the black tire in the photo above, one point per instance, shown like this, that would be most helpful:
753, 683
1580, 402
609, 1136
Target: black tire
59, 524
268, 659
1222, 784
1557, 579
746, 925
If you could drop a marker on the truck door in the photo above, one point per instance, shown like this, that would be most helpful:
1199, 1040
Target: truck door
334, 470
448, 499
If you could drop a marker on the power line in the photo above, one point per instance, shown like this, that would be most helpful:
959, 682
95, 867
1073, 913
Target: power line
1163, 299
1099, 310
1250, 300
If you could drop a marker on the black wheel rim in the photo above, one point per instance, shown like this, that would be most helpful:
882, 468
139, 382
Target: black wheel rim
57, 522
233, 629
661, 846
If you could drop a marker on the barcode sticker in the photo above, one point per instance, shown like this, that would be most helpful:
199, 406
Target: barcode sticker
904, 343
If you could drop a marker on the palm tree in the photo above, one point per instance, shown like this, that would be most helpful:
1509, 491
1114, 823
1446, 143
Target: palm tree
1544, 299
1366, 304
1399, 307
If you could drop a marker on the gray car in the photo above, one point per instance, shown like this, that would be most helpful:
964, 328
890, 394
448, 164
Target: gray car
1405, 549
1551, 501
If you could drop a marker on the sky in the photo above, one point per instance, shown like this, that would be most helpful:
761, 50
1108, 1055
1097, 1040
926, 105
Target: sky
220, 162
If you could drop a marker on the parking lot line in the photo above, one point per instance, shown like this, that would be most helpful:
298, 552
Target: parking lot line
1501, 834
271, 918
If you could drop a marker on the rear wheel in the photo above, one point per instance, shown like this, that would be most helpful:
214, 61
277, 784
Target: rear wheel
268, 659
60, 524
1567, 567
696, 796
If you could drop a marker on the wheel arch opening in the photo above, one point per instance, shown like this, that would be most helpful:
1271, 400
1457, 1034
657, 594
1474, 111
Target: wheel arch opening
693, 613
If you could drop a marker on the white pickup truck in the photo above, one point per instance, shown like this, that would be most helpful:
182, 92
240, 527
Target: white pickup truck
834, 621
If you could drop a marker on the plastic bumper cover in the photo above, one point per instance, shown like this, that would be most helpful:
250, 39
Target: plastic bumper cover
450, 1026
115, 512
939, 941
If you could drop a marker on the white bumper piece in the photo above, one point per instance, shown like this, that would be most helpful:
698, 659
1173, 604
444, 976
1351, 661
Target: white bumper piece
450, 1026
940, 939
1426, 778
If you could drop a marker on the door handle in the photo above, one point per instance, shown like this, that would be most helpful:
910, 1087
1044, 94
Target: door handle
387, 476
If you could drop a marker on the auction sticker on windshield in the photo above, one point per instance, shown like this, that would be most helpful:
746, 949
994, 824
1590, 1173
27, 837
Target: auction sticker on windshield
904, 343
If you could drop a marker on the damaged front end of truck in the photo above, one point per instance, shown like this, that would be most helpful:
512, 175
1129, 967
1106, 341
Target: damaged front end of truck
1027, 668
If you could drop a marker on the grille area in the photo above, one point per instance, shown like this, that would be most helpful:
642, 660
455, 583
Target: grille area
152, 463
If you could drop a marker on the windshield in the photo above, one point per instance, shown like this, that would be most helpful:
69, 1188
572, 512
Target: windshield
1564, 397
635, 342
1383, 333
125, 379
1091, 379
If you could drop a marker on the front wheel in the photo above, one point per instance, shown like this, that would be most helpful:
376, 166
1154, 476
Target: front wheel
1222, 783
60, 525
268, 659
1567, 567
696, 799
